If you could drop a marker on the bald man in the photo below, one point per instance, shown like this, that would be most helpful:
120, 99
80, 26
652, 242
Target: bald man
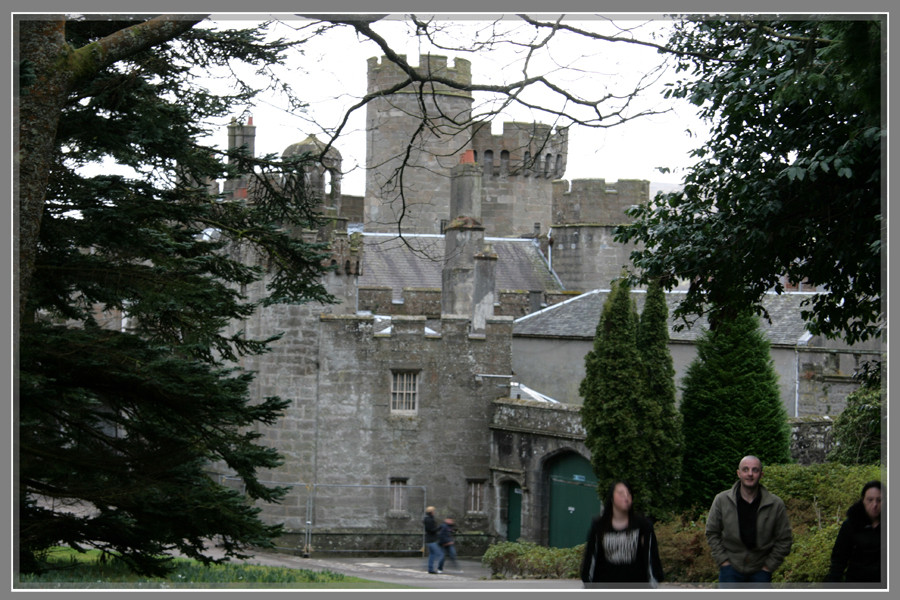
748, 529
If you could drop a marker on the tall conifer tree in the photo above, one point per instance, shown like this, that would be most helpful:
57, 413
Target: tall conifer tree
731, 407
119, 421
615, 400
664, 432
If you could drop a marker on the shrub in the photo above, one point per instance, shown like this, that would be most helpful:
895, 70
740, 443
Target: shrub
857, 430
817, 495
810, 555
530, 560
683, 550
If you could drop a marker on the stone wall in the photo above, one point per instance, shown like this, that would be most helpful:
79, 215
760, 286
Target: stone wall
584, 252
825, 379
811, 439
341, 435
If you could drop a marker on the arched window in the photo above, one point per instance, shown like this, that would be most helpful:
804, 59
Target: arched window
504, 162
526, 166
558, 166
548, 160
488, 163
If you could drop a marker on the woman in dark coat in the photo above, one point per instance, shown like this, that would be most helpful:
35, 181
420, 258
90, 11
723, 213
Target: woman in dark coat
621, 549
856, 556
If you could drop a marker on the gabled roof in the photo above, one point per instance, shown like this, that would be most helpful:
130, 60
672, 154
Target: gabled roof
577, 318
415, 261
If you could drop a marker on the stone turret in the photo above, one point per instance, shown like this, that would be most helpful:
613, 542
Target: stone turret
240, 137
323, 177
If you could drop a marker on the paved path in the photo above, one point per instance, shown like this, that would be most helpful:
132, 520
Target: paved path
410, 571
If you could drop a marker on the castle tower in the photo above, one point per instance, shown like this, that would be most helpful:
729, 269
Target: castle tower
393, 122
519, 168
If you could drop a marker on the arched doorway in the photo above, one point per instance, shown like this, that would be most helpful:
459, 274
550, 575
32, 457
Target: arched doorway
573, 500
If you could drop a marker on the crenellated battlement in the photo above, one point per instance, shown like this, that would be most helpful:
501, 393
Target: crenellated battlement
523, 149
384, 74
595, 201
400, 328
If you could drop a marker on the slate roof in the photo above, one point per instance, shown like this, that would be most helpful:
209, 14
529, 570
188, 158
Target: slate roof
577, 318
415, 262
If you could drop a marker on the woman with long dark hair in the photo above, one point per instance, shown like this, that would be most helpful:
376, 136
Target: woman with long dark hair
856, 556
621, 549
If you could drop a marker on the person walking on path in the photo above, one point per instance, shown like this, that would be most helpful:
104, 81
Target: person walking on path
748, 529
621, 548
856, 556
448, 545
435, 554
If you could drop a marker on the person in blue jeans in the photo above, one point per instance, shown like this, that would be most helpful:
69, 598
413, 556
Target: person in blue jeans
748, 530
448, 544
435, 554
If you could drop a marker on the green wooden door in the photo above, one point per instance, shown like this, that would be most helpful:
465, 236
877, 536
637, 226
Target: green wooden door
513, 512
573, 500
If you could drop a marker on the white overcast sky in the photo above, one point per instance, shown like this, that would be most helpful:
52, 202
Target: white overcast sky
332, 75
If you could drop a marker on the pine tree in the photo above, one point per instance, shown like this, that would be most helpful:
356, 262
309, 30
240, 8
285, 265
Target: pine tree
117, 426
663, 433
615, 399
731, 407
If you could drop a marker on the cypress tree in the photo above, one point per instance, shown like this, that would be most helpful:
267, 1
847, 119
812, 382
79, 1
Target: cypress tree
663, 431
614, 393
731, 407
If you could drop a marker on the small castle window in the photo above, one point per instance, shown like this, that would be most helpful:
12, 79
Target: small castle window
526, 166
398, 494
548, 160
475, 496
488, 163
504, 162
404, 391
558, 166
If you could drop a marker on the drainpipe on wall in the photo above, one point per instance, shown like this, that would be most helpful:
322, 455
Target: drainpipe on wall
796, 382
550, 248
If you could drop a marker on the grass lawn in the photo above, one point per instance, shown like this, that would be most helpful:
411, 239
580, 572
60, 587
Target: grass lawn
72, 570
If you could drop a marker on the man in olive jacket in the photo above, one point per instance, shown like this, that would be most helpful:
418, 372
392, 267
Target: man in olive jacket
748, 529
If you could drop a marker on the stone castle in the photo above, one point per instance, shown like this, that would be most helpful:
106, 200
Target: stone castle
444, 375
